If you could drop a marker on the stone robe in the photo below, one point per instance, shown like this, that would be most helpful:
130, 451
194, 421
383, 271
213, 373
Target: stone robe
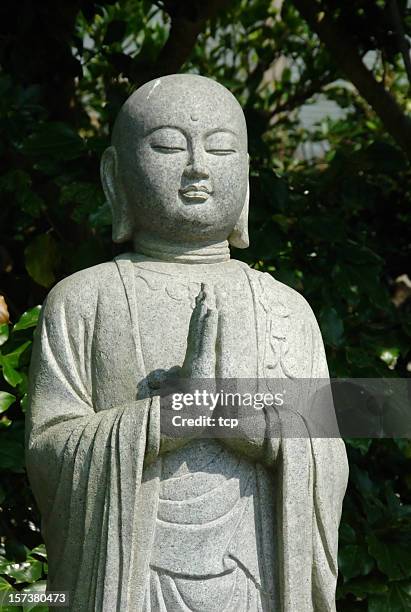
93, 443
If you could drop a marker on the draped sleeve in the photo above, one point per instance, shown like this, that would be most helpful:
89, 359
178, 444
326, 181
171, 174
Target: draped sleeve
314, 473
84, 454
311, 466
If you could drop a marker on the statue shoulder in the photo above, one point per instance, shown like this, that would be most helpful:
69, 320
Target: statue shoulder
281, 299
294, 327
78, 293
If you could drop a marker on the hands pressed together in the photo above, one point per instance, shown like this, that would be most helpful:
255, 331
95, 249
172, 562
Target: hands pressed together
204, 361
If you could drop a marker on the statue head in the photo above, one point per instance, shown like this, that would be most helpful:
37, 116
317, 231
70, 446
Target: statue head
177, 169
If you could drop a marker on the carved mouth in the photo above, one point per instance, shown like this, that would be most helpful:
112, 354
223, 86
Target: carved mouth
195, 193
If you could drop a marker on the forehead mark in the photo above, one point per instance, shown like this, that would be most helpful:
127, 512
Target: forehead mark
194, 117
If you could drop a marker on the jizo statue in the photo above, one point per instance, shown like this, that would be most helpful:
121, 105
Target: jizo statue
135, 521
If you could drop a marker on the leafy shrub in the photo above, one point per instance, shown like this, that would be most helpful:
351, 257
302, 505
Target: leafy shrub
20, 567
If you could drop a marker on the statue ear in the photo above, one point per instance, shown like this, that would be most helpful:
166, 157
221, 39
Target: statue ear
239, 236
114, 192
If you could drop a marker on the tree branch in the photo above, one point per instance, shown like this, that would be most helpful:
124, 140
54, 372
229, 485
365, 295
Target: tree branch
300, 97
346, 56
188, 20
400, 36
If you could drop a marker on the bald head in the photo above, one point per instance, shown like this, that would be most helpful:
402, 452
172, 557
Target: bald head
179, 99
179, 162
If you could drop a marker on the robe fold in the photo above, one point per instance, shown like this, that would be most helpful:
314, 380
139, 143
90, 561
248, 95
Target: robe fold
93, 436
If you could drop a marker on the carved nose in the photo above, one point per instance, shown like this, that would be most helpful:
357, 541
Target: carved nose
196, 167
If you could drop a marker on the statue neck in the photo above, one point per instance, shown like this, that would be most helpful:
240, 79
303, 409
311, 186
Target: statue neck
195, 253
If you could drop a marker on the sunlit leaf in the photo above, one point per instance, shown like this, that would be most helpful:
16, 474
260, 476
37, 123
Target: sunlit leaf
27, 571
6, 400
42, 256
37, 587
12, 359
40, 551
4, 333
5, 590
24, 402
28, 319
12, 376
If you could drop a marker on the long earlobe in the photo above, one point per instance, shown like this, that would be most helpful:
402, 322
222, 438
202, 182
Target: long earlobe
113, 190
239, 236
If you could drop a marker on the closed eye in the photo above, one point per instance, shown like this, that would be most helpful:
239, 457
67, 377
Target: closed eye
221, 151
165, 149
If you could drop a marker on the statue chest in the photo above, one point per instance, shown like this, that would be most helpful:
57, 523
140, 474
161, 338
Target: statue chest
165, 303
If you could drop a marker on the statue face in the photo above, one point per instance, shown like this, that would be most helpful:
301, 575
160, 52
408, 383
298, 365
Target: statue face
183, 163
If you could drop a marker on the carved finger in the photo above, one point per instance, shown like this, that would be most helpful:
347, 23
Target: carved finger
209, 332
206, 361
196, 324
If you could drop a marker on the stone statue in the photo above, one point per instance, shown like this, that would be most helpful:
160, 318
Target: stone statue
134, 521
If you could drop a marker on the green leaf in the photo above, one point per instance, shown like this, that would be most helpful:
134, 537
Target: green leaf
4, 333
37, 587
5, 589
404, 446
332, 327
359, 357
363, 482
28, 571
361, 587
327, 228
347, 534
42, 256
24, 402
354, 560
102, 217
28, 319
83, 198
12, 359
40, 550
16, 550
360, 255
11, 375
361, 444
6, 400
397, 599
23, 384
18, 183
11, 454
393, 559
55, 140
